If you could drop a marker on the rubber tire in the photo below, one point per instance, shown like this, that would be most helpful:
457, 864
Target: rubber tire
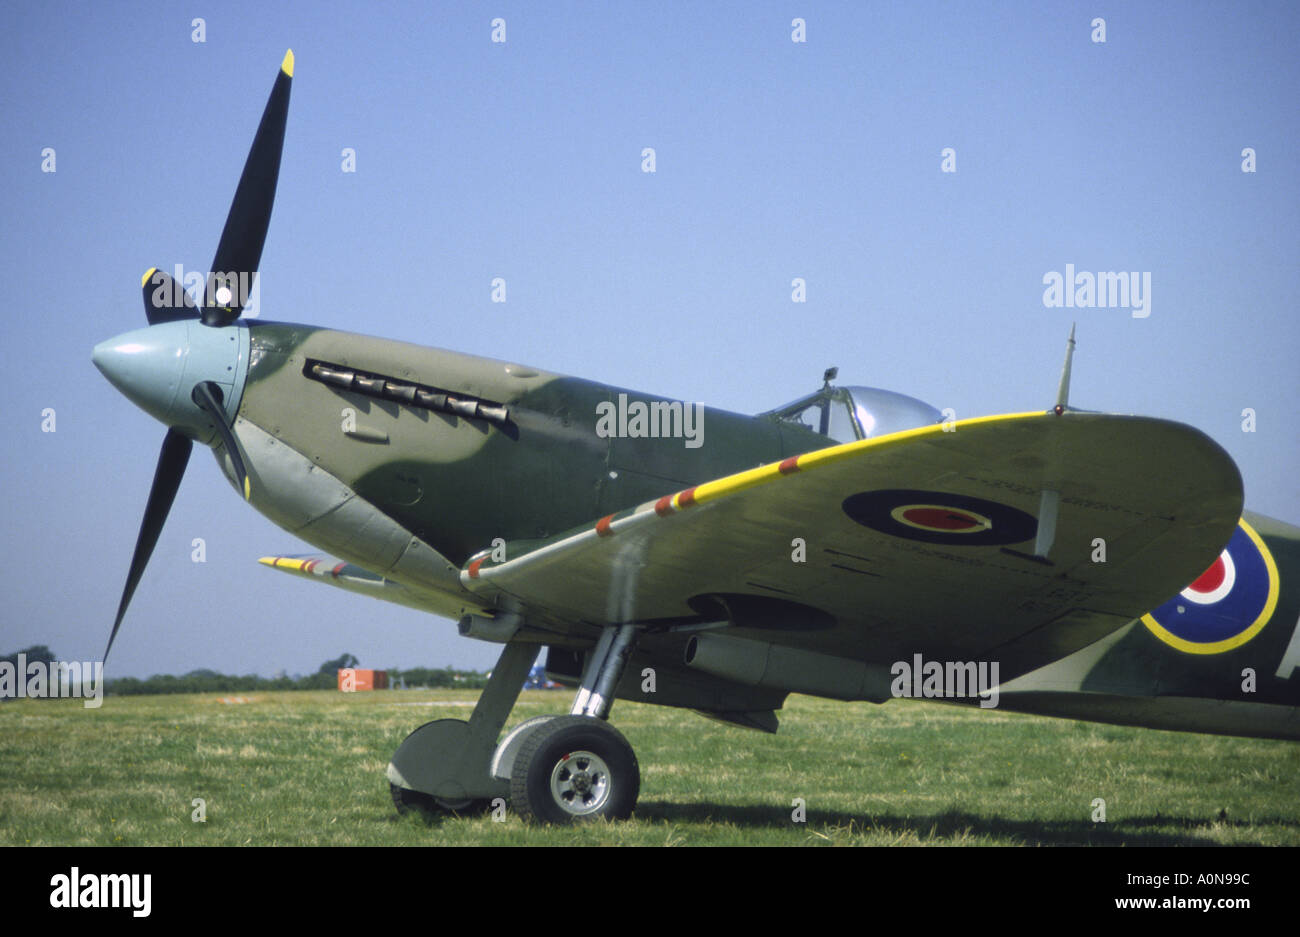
530, 784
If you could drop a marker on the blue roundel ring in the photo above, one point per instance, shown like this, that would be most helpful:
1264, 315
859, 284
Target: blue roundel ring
1227, 605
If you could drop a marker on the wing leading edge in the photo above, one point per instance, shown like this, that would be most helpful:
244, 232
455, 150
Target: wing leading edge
918, 542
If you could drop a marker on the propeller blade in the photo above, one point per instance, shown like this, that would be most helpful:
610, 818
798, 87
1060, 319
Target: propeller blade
240, 249
172, 460
205, 395
164, 300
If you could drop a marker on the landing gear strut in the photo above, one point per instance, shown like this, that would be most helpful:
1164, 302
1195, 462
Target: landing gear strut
554, 769
448, 759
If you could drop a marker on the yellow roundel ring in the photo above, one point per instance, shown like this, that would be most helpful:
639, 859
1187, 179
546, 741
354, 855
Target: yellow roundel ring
1261, 618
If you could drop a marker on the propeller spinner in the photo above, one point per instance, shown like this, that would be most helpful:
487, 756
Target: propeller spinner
187, 368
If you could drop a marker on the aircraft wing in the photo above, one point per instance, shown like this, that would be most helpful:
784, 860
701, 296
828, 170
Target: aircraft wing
917, 542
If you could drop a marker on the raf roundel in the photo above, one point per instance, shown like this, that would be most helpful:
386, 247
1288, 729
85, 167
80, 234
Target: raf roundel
940, 517
1226, 605
1215, 583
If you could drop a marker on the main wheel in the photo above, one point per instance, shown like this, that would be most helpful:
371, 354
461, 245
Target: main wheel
575, 768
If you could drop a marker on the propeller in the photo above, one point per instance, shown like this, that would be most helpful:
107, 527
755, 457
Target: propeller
172, 460
164, 300
240, 249
233, 270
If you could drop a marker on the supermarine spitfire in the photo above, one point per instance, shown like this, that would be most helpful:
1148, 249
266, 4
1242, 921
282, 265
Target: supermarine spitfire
810, 549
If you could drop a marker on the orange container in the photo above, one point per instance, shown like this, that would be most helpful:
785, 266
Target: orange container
352, 680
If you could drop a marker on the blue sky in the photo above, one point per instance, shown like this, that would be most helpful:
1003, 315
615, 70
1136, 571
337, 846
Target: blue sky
522, 160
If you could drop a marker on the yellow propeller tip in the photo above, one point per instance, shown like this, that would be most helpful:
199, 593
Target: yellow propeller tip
147, 274
268, 560
287, 65
248, 489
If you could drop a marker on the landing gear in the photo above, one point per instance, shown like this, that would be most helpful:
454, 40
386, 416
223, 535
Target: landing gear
409, 801
449, 759
554, 769
575, 768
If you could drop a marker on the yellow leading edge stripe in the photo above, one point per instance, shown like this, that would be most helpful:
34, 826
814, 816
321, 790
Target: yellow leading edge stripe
763, 474
287, 65
721, 487
284, 562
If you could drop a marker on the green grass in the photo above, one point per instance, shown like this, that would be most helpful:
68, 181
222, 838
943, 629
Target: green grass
307, 768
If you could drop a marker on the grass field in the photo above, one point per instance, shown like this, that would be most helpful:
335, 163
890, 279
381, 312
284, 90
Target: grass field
307, 768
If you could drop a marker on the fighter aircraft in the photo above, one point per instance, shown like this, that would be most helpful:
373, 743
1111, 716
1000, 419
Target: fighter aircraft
687, 556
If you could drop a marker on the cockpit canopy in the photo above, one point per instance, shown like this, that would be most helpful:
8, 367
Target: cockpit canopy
845, 414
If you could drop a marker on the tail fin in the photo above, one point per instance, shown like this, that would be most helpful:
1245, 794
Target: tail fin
1222, 656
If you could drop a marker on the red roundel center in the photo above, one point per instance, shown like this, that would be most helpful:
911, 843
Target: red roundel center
941, 519
1211, 579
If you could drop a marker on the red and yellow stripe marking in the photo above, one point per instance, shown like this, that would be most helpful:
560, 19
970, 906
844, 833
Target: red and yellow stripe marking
295, 564
286, 562
729, 485
712, 491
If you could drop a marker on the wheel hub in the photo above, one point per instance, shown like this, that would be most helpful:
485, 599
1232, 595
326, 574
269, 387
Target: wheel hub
580, 783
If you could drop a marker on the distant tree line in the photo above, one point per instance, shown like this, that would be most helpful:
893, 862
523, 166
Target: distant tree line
36, 652
326, 678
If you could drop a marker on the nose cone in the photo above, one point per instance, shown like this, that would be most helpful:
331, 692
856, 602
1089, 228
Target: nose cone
146, 366
157, 367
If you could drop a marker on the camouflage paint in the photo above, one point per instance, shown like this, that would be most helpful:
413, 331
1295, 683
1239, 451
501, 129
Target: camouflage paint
459, 483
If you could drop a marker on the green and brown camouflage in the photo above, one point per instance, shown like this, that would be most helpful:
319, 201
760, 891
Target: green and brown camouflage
690, 556
459, 484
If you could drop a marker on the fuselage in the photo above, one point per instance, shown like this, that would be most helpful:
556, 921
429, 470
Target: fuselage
457, 482
408, 460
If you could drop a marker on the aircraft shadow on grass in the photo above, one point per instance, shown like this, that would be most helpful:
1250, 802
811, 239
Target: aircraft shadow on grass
1129, 831
943, 826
